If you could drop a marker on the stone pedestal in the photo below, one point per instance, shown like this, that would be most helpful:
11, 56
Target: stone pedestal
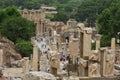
35, 58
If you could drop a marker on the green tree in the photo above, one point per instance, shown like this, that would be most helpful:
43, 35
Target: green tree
90, 9
3, 15
61, 16
17, 27
24, 47
12, 11
109, 22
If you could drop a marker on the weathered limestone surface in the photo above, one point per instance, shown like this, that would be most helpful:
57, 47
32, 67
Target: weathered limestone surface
39, 76
87, 42
94, 66
54, 65
109, 61
74, 48
85, 48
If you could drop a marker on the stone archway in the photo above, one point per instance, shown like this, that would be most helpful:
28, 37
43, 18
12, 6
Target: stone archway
66, 36
67, 39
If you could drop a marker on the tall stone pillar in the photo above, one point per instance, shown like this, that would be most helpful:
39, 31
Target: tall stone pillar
31, 61
113, 43
25, 64
87, 42
41, 27
1, 57
54, 37
85, 49
35, 58
102, 61
38, 28
98, 37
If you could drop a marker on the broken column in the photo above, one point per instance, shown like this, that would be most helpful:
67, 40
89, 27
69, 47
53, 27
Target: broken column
25, 64
113, 43
98, 37
35, 58
1, 57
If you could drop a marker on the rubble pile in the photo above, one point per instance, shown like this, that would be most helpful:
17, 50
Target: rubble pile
39, 76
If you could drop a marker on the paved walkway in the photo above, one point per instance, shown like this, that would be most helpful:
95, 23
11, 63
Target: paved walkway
42, 44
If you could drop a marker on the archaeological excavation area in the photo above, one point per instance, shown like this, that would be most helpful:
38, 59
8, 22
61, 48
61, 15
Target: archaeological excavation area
60, 52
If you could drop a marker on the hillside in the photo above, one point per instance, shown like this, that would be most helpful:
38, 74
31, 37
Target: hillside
82, 10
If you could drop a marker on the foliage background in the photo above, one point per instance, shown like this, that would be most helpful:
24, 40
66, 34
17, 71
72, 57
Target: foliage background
17, 29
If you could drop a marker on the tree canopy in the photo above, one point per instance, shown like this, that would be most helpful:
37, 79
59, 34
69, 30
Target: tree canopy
109, 23
16, 28
81, 10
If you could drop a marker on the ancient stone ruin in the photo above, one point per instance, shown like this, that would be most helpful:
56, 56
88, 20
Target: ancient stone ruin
60, 52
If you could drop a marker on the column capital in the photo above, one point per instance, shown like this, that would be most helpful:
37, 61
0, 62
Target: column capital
98, 36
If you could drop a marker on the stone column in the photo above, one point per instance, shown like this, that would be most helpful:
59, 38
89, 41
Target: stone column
1, 57
31, 61
113, 43
41, 27
38, 28
35, 58
102, 61
54, 37
25, 64
98, 37
85, 49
